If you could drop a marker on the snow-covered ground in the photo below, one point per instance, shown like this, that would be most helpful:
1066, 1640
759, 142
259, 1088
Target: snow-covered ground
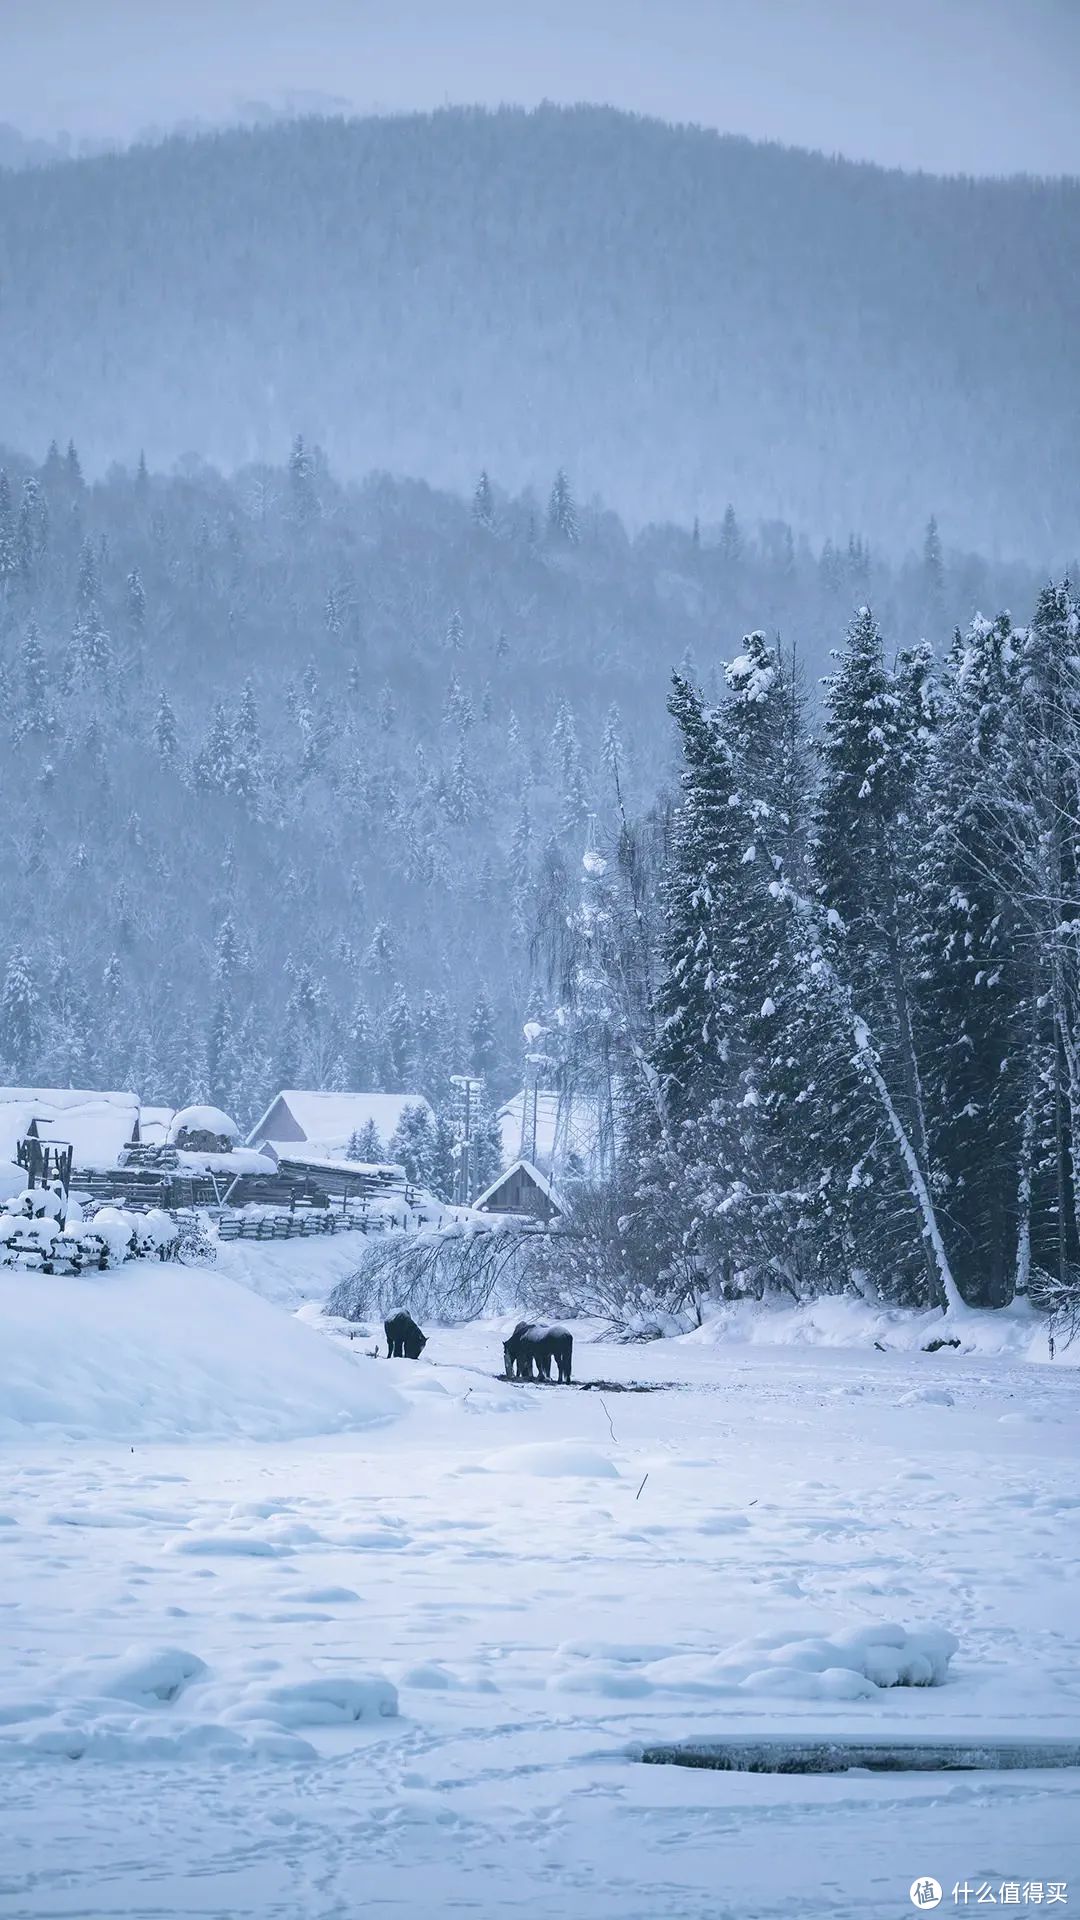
399, 1667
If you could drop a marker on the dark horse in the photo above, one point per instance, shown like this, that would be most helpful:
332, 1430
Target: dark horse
404, 1340
530, 1346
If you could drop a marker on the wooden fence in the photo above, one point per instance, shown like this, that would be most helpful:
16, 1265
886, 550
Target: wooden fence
299, 1223
283, 1226
302, 1223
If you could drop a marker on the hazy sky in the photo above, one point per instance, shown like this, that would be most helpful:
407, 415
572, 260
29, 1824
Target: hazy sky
979, 85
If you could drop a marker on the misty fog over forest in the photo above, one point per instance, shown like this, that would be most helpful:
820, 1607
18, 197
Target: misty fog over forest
678, 320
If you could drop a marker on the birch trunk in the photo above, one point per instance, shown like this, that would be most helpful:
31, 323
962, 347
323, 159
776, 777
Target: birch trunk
954, 1303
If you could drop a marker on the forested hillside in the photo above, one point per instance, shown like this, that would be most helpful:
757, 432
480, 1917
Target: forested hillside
677, 318
284, 762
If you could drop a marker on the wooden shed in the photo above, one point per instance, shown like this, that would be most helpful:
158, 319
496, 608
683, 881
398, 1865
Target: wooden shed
522, 1190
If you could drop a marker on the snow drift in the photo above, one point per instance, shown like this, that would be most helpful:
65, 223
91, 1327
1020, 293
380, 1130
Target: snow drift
161, 1352
852, 1665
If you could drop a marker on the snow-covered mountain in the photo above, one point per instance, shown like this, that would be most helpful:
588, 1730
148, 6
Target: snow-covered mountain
678, 319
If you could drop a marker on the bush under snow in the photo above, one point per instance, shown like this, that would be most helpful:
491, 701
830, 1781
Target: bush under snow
32, 1234
855, 1665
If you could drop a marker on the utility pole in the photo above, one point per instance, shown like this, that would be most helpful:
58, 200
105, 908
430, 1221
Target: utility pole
536, 1062
467, 1091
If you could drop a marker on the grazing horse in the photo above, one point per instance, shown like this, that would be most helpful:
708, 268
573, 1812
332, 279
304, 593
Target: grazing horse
530, 1346
519, 1351
404, 1340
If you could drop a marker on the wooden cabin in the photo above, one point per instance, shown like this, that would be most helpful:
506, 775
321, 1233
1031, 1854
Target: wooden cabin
524, 1192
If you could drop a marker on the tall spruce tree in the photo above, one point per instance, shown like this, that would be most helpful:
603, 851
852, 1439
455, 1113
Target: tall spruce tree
562, 513
1046, 863
987, 1036
869, 858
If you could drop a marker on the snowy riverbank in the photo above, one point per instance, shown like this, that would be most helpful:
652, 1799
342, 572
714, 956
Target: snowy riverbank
536, 1579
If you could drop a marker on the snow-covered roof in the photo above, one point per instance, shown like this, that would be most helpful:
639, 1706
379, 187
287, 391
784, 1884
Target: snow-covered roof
539, 1180
327, 1121
546, 1128
98, 1125
304, 1156
154, 1124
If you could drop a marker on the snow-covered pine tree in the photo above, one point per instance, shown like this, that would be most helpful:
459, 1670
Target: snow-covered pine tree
486, 1151
219, 1054
9, 555
869, 855
730, 547
462, 800
359, 1056
782, 1036
91, 649
30, 693
136, 603
311, 1027
482, 1043
73, 473
246, 776
562, 513
214, 767
304, 505
434, 1047
387, 710
444, 1160
412, 1145
21, 1016
484, 504
988, 1042
367, 1145
1045, 850
613, 755
65, 1054
380, 959
32, 529
933, 569
166, 739
678, 1107
400, 1041
831, 571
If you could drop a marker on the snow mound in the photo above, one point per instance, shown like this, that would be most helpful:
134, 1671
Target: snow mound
568, 1458
148, 1676
927, 1397
203, 1120
162, 1352
321, 1700
848, 1666
163, 1703
226, 1545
